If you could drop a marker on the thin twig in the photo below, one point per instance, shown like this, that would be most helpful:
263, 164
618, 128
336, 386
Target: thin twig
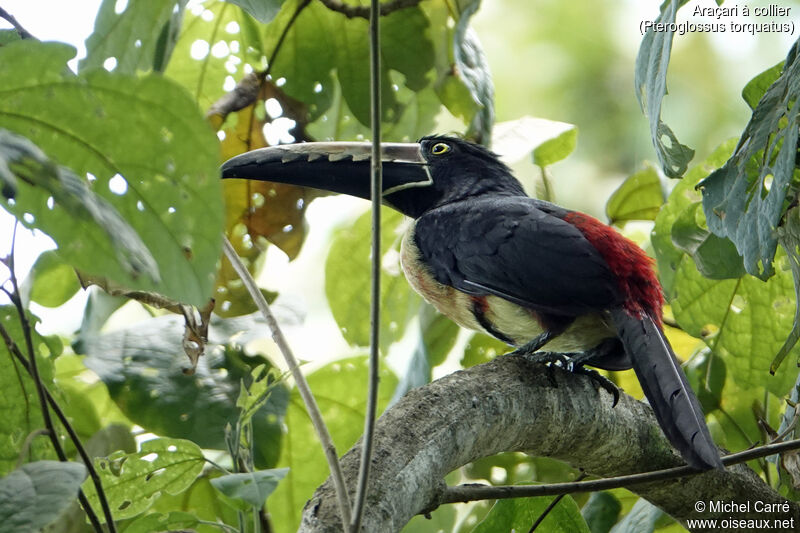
302, 385
351, 11
475, 492
33, 369
376, 188
23, 33
62, 417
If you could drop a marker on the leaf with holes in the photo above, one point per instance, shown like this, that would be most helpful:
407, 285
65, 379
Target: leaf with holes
744, 200
132, 481
138, 38
789, 237
205, 57
340, 390
638, 198
36, 494
347, 280
714, 256
251, 489
142, 366
650, 80
518, 514
26, 162
18, 400
143, 147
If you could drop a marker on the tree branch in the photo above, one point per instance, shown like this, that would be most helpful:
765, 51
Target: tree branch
511, 404
23, 33
351, 11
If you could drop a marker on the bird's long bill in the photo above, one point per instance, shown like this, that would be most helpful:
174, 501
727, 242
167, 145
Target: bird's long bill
342, 167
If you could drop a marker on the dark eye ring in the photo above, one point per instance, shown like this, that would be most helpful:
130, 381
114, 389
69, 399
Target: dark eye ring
440, 148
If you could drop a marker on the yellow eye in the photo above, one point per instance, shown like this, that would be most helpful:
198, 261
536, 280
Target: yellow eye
440, 148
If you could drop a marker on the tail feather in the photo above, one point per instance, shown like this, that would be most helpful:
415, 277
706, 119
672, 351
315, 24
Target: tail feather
676, 407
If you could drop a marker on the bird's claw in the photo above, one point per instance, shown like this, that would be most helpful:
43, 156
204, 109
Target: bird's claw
570, 365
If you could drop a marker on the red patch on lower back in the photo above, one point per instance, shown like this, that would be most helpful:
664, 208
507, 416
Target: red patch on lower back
633, 268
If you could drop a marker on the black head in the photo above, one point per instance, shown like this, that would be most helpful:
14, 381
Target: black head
459, 170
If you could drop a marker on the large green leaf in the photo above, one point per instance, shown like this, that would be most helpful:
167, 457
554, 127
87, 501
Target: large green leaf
601, 511
340, 390
143, 367
132, 481
758, 86
745, 321
201, 499
651, 86
745, 199
641, 518
19, 403
547, 141
143, 146
519, 514
347, 281
37, 493
138, 38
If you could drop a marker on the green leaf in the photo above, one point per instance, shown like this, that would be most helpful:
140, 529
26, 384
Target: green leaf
174, 521
19, 403
638, 198
438, 334
548, 140
132, 481
744, 200
682, 198
650, 80
641, 519
251, 488
147, 151
744, 321
789, 237
201, 500
347, 281
340, 390
8, 36
26, 162
131, 37
706, 374
37, 493
715, 257
755, 88
519, 514
51, 282
262, 10
143, 368
601, 511
204, 74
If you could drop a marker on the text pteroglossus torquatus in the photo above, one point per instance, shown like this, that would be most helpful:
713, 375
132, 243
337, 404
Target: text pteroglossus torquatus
528, 272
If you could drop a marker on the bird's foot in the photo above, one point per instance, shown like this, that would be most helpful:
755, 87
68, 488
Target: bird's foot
572, 363
601, 380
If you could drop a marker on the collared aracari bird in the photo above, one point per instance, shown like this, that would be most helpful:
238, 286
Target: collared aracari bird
530, 273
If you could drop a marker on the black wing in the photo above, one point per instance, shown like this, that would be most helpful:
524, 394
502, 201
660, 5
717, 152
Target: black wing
515, 249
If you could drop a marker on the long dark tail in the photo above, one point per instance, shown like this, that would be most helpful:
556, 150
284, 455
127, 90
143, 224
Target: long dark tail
676, 407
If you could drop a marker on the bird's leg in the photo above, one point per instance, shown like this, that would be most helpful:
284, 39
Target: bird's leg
534, 345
